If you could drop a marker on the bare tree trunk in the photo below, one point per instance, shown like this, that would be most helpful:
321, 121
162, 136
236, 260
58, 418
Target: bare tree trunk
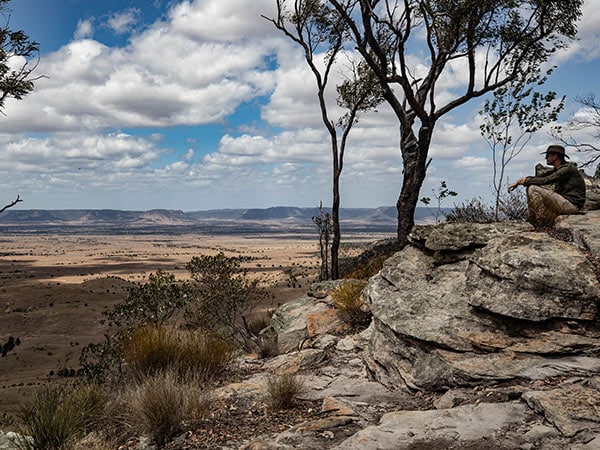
335, 219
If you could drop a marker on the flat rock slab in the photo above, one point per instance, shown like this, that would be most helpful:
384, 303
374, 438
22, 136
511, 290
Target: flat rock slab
570, 408
464, 424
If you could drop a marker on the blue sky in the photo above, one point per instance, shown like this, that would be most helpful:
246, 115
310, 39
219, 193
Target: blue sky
201, 104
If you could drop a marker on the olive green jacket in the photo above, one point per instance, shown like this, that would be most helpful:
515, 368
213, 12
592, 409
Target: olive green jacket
567, 180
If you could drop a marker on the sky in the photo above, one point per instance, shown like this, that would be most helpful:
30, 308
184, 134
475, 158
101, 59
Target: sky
202, 104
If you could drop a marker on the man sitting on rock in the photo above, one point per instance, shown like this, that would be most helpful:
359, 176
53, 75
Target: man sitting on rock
568, 196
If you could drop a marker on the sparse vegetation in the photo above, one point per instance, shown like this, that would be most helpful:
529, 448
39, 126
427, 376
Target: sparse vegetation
512, 206
153, 302
368, 268
163, 406
440, 194
283, 390
150, 351
58, 415
347, 298
223, 295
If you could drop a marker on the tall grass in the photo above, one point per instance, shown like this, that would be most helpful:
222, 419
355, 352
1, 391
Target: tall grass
152, 350
347, 298
57, 416
163, 406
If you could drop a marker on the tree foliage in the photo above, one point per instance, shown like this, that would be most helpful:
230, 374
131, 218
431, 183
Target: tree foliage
483, 45
214, 301
320, 30
222, 295
18, 59
152, 303
516, 111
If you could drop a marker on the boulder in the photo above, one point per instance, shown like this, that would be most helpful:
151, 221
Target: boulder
520, 306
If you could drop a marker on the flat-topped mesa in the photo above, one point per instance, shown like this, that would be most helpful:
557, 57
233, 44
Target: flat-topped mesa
471, 304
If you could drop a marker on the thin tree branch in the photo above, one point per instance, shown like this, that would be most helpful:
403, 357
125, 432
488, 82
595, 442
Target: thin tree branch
10, 205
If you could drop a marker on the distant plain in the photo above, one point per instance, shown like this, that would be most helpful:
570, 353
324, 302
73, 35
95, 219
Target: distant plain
54, 287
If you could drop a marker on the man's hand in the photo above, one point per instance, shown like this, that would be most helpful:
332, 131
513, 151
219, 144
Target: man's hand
519, 182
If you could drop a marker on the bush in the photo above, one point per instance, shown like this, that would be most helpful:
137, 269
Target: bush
471, 211
267, 345
223, 295
256, 325
283, 390
57, 416
347, 298
154, 302
152, 350
512, 206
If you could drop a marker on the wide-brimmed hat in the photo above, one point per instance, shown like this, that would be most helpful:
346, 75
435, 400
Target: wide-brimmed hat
556, 150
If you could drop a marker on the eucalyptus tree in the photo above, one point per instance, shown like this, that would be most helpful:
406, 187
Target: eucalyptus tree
322, 34
18, 59
433, 56
516, 111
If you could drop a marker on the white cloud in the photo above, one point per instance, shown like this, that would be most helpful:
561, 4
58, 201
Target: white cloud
196, 66
123, 22
85, 29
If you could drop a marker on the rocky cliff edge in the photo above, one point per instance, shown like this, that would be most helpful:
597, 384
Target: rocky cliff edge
483, 336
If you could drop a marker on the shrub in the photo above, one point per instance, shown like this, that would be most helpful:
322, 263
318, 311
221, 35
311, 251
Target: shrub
474, 211
267, 345
101, 362
283, 390
152, 350
57, 416
154, 302
223, 295
256, 325
347, 298
512, 206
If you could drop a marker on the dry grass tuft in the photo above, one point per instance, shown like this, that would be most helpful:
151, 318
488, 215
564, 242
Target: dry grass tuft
283, 390
152, 350
162, 407
347, 298
57, 416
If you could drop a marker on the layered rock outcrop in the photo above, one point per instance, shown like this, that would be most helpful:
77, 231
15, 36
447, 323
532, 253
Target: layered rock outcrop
497, 323
470, 304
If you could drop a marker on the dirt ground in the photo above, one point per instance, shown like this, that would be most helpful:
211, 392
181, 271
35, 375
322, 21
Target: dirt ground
54, 288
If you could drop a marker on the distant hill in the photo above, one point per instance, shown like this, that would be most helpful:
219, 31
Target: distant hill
254, 220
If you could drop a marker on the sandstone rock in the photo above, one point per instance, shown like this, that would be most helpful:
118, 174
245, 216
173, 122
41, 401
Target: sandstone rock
465, 424
293, 362
437, 326
570, 408
584, 229
531, 276
448, 237
308, 317
336, 407
592, 191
